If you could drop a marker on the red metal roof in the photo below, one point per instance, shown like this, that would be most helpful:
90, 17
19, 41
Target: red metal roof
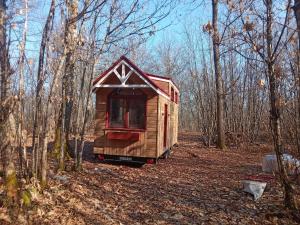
162, 77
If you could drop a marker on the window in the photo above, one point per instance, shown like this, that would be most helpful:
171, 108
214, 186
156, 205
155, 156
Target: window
136, 113
172, 94
176, 97
127, 109
117, 112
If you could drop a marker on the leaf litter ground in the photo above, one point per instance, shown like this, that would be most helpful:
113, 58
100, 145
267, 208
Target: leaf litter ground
195, 185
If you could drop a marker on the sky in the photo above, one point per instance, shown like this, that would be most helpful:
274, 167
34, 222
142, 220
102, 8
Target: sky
186, 14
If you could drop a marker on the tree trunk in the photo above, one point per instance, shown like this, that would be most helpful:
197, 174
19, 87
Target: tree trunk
21, 147
5, 68
38, 97
80, 105
275, 116
39, 158
61, 165
70, 43
297, 15
275, 112
218, 77
44, 163
85, 114
7, 122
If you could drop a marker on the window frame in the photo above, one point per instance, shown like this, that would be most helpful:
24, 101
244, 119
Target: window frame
128, 99
172, 94
176, 97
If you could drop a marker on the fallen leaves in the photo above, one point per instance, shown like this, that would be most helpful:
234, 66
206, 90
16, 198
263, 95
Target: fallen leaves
183, 189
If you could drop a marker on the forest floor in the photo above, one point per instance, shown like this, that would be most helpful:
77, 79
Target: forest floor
195, 185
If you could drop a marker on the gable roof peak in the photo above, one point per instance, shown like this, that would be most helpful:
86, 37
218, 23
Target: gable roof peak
97, 82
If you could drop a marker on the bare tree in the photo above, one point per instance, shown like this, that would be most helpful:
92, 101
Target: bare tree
40, 147
297, 15
269, 48
218, 76
7, 104
21, 95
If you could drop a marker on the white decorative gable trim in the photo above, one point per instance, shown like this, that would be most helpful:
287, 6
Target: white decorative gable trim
123, 77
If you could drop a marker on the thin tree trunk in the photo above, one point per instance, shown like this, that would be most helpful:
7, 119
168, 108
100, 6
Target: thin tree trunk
7, 123
218, 77
21, 147
275, 113
44, 163
40, 84
297, 15
275, 116
85, 114
61, 165
80, 107
70, 43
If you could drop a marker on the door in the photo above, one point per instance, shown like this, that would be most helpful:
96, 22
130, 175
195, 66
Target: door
165, 125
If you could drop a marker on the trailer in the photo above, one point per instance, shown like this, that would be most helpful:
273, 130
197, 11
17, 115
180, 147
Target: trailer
136, 116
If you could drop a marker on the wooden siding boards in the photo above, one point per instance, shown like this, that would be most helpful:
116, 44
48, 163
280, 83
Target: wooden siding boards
151, 124
164, 85
113, 79
134, 79
124, 147
172, 124
150, 143
162, 102
145, 147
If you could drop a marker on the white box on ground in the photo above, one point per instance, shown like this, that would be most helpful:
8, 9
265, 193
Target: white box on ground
255, 188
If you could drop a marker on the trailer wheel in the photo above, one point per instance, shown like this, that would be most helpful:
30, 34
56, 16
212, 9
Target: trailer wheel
166, 154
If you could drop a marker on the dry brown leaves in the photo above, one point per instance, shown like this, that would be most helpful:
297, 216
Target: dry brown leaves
196, 185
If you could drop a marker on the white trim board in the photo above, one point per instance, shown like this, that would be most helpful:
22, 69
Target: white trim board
124, 86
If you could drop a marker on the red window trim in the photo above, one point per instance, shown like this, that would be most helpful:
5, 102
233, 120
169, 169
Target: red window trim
176, 97
125, 129
128, 98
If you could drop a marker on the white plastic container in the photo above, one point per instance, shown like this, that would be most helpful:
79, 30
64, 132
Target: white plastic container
269, 164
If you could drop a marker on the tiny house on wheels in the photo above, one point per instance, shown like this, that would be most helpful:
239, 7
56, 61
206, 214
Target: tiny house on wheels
136, 114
